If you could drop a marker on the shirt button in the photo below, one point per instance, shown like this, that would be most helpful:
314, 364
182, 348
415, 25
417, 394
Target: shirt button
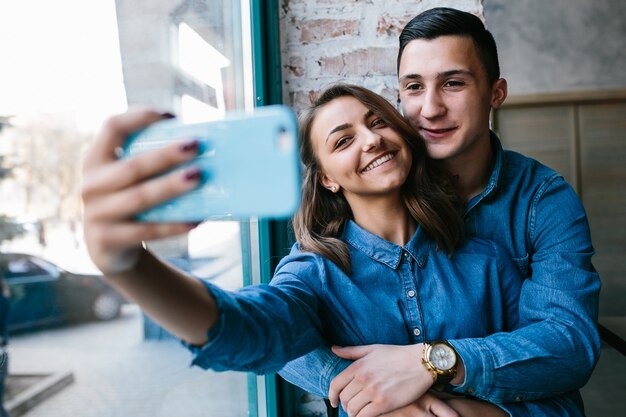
470, 390
411, 293
518, 399
417, 331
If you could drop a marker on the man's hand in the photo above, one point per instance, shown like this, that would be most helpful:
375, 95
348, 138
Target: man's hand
383, 378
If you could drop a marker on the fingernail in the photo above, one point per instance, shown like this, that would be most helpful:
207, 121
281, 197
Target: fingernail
192, 145
193, 174
167, 115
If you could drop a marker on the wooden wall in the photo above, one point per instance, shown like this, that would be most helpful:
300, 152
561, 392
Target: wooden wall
583, 137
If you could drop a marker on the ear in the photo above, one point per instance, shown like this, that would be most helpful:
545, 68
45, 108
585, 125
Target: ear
328, 183
498, 93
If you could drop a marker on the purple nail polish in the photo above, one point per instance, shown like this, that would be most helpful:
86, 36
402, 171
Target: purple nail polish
190, 146
193, 174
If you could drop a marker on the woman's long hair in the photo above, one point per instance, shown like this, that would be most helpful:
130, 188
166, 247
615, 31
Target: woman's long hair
427, 191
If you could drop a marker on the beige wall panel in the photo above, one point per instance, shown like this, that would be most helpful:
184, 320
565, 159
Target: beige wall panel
544, 133
603, 169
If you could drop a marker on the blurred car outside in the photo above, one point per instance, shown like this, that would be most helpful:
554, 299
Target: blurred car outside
43, 294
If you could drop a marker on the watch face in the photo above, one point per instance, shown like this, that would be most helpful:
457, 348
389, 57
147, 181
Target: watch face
443, 357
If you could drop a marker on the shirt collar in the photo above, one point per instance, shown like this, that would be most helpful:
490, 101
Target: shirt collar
494, 178
383, 251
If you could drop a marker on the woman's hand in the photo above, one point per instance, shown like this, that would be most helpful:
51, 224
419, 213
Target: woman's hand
114, 191
427, 406
468, 407
434, 404
382, 378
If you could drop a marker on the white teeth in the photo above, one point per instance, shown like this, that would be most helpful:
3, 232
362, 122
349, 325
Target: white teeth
378, 161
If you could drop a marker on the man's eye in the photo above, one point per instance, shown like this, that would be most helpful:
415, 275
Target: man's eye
413, 86
454, 84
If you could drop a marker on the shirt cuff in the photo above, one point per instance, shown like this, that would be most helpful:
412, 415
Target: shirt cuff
479, 366
216, 351
334, 366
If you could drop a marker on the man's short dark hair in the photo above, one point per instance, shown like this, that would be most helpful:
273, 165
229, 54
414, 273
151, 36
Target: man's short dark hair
443, 21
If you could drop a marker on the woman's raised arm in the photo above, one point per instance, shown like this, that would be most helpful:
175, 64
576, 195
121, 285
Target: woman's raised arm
113, 192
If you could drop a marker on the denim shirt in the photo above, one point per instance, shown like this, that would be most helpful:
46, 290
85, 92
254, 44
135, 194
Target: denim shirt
393, 295
529, 210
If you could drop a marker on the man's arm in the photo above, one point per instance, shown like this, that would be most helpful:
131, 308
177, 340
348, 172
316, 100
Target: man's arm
557, 345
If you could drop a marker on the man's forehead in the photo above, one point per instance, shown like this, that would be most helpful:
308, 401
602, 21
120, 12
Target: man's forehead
439, 55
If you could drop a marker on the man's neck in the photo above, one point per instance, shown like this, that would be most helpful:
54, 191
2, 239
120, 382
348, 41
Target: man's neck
472, 170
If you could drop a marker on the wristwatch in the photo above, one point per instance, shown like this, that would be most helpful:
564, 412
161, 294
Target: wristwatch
440, 359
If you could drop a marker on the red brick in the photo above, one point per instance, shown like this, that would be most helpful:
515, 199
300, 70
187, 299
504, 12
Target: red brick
322, 29
301, 100
391, 94
371, 61
295, 66
392, 26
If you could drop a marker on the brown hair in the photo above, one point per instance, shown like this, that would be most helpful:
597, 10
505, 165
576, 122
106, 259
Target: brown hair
427, 193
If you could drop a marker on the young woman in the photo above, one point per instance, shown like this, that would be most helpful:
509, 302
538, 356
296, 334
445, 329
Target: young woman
380, 256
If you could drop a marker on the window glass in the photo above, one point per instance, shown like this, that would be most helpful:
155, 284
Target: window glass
66, 66
23, 267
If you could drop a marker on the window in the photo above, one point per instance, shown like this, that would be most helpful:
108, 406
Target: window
66, 66
23, 267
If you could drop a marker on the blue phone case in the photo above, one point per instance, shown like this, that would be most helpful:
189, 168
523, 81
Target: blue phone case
250, 166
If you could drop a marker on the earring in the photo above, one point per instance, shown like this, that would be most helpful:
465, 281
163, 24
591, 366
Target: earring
333, 188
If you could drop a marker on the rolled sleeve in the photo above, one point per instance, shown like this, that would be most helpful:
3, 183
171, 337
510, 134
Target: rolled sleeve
478, 361
518, 366
260, 328
314, 371
217, 353
556, 346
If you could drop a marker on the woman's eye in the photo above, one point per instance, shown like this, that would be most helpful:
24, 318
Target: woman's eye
342, 142
378, 123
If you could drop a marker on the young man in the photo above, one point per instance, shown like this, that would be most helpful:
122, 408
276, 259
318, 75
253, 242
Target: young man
449, 80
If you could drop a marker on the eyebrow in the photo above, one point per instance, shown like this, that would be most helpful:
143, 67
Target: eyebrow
339, 128
455, 72
443, 74
348, 125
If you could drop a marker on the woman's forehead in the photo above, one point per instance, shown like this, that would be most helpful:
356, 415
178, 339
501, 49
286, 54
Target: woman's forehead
334, 117
339, 111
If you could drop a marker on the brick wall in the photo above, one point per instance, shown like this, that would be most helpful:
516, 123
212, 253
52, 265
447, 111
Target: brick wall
355, 41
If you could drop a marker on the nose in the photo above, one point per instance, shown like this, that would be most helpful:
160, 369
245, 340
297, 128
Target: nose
433, 105
371, 140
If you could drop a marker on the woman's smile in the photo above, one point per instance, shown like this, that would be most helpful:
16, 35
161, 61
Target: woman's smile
379, 161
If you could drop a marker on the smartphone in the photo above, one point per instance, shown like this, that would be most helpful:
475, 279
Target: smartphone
249, 162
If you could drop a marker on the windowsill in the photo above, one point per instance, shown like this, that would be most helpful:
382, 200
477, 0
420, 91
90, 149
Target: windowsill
613, 331
24, 391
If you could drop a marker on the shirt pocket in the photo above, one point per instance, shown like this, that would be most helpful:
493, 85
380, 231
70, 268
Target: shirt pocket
522, 265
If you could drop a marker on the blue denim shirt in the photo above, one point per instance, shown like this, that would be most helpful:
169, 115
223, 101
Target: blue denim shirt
393, 295
529, 210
